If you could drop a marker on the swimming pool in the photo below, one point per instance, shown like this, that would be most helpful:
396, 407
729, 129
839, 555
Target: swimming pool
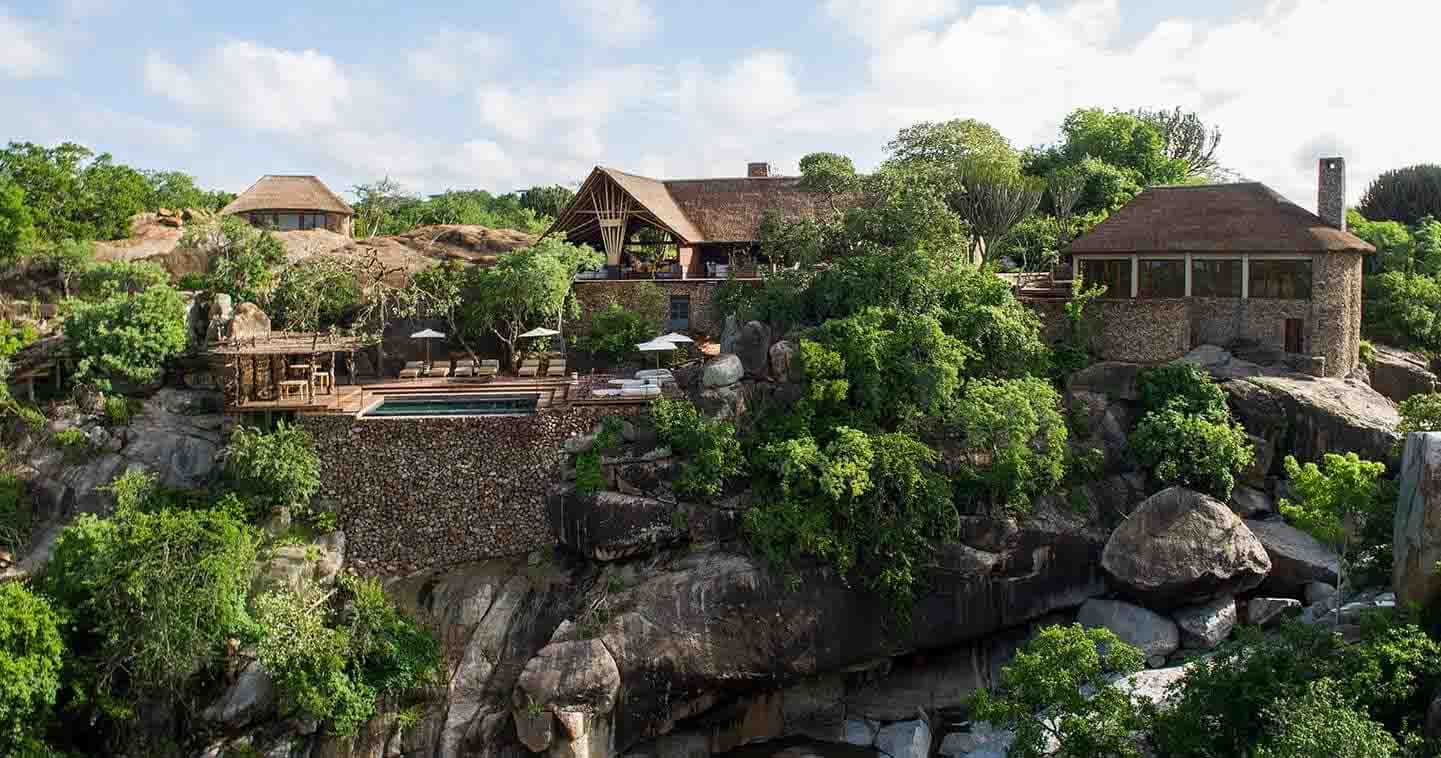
451, 405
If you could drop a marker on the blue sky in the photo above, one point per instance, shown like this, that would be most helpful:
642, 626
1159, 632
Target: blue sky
502, 95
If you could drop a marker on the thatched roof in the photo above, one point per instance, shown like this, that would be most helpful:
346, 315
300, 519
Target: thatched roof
288, 193
1246, 217
706, 210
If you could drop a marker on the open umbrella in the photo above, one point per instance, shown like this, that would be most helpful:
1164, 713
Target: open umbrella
657, 347
427, 335
675, 337
539, 331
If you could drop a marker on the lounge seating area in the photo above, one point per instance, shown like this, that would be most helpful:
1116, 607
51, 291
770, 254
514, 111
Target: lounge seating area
649, 383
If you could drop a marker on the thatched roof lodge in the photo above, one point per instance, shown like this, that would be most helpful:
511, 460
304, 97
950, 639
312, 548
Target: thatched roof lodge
288, 203
680, 228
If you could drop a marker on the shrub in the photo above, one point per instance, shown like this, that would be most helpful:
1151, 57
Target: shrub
1332, 504
1192, 451
1183, 386
709, 447
1403, 309
15, 514
1059, 686
15, 335
1404, 194
333, 656
1366, 353
30, 661
615, 331
275, 469
118, 410
1420, 413
589, 477
74, 444
1322, 721
1015, 425
98, 281
127, 337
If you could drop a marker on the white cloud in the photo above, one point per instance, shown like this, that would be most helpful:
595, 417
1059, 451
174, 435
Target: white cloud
616, 23
532, 111
26, 50
878, 22
450, 56
260, 87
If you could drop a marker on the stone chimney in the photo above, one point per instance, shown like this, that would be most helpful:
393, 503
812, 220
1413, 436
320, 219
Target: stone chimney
1331, 192
758, 170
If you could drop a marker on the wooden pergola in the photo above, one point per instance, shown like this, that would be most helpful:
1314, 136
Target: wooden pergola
265, 368
607, 211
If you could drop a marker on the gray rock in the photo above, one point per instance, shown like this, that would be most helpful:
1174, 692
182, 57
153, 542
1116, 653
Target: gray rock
250, 697
1319, 415
725, 403
1152, 633
905, 739
1206, 626
983, 741
1156, 661
611, 526
1417, 526
723, 371
1264, 611
752, 346
730, 330
1209, 357
1319, 593
249, 322
1182, 547
1297, 559
1251, 503
1113, 379
785, 362
1152, 684
1398, 374
860, 732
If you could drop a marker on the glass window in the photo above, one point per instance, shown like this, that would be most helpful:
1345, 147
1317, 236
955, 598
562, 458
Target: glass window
1161, 278
1283, 280
680, 311
1213, 277
289, 222
1115, 275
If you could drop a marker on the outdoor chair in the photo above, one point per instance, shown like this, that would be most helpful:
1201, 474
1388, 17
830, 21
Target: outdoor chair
465, 367
412, 370
649, 390
438, 371
556, 368
488, 368
529, 368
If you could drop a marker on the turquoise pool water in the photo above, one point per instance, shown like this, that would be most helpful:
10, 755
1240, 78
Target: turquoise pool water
452, 405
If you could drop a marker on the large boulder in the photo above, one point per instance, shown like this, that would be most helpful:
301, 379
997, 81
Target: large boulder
753, 346
722, 371
1418, 522
1113, 379
785, 362
1205, 626
249, 322
611, 526
1251, 503
1297, 558
1181, 547
1398, 374
905, 739
1313, 416
1152, 633
250, 697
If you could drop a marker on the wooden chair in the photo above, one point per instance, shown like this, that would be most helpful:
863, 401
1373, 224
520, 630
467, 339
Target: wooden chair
438, 370
413, 370
529, 368
465, 367
555, 368
488, 369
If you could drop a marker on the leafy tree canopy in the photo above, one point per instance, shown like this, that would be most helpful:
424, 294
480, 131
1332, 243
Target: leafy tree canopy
17, 230
385, 207
1016, 440
98, 281
525, 288
276, 468
127, 337
72, 193
242, 257
30, 661
1405, 194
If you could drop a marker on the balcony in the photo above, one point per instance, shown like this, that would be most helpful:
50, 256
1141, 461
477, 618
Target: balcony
670, 271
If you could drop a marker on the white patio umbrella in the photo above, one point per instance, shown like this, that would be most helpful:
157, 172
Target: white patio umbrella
427, 335
539, 331
657, 347
675, 337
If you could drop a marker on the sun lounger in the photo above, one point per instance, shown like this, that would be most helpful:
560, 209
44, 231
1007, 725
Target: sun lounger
413, 370
438, 371
464, 367
529, 368
649, 390
488, 368
556, 368
605, 393
661, 372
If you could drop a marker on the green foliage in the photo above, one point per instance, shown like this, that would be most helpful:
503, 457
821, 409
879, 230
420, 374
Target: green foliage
127, 337
332, 656
1059, 687
118, 410
101, 280
177, 190
711, 454
30, 659
615, 331
1076, 351
74, 444
546, 200
242, 257
1420, 413
1404, 194
1033, 244
936, 150
275, 469
525, 287
1321, 721
17, 231
589, 478
385, 207
15, 511
829, 174
870, 504
149, 596
1404, 309
1366, 353
1184, 387
1016, 440
64, 259
72, 193
14, 336
314, 295
1199, 452
1325, 502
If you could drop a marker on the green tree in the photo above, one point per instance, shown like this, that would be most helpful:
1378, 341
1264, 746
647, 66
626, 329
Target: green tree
178, 190
546, 200
615, 331
1420, 413
1191, 450
242, 257
526, 288
315, 294
1395, 249
1183, 386
1321, 721
99, 281
829, 174
30, 660
1186, 138
994, 199
1325, 502
1404, 310
17, 231
1059, 687
67, 259
72, 193
278, 468
127, 337
711, 453
1405, 194
940, 149
1015, 437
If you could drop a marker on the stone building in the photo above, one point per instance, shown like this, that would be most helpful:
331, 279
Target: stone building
1235, 265
685, 235
289, 203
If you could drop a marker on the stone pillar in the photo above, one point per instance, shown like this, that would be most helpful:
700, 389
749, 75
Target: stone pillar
1331, 192
1418, 522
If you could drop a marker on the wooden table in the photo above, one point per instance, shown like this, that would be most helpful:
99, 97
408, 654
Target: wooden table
297, 387
323, 380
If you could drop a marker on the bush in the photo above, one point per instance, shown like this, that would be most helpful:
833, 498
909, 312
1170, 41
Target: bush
1321, 721
275, 469
1059, 686
30, 661
1335, 504
1366, 353
15, 513
74, 444
1183, 386
709, 447
118, 410
102, 280
589, 477
1193, 451
1420, 413
333, 656
1405, 194
1014, 427
127, 337
615, 331
1403, 309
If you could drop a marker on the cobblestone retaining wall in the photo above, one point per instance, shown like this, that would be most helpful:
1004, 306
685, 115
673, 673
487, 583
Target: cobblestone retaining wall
413, 494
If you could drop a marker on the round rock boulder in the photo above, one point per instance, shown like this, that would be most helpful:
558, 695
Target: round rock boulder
1181, 547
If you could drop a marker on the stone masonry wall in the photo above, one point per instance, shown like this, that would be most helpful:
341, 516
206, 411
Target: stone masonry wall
596, 295
414, 494
1143, 331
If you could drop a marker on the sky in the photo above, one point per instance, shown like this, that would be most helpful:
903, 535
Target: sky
503, 95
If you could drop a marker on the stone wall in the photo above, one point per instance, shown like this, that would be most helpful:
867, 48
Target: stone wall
414, 494
594, 295
1143, 331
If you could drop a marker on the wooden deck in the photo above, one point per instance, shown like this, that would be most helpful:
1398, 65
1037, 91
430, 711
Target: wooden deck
350, 399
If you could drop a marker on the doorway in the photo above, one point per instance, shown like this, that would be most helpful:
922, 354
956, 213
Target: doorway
1294, 329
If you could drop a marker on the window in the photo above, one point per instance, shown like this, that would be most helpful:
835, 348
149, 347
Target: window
288, 222
1161, 278
1214, 277
680, 312
1283, 280
1115, 275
